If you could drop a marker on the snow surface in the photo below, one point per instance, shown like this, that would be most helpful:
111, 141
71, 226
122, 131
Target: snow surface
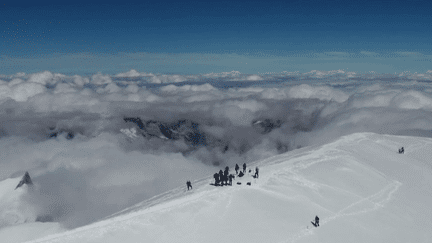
359, 186
18, 216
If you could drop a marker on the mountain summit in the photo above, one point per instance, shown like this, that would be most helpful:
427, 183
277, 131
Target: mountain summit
25, 180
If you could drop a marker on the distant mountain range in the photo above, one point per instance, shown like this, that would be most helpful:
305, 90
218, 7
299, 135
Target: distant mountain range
191, 132
188, 130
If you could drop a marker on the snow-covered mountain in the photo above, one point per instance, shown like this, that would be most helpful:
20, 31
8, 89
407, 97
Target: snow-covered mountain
19, 219
362, 189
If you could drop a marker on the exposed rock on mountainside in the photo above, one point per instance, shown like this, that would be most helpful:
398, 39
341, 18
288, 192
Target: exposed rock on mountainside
25, 180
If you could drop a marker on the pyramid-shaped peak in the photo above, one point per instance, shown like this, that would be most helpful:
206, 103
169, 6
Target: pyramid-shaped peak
25, 180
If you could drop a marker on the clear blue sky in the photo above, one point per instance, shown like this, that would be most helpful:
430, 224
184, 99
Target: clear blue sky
201, 37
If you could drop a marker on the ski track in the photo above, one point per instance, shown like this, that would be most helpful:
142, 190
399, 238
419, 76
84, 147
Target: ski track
227, 204
378, 200
375, 201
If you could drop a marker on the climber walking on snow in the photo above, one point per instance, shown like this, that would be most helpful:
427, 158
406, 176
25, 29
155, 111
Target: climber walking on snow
189, 184
231, 177
216, 177
221, 177
225, 174
316, 223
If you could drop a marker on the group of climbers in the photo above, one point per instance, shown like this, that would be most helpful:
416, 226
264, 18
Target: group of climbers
224, 178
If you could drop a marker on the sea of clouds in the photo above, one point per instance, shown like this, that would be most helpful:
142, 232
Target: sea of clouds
96, 163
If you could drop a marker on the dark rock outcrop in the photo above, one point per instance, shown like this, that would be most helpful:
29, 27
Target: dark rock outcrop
182, 129
192, 133
25, 180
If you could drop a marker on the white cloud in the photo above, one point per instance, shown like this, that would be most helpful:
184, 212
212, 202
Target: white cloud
322, 74
254, 78
275, 93
197, 88
169, 88
240, 113
64, 88
110, 88
167, 79
132, 88
15, 81
413, 100
20, 74
129, 74
305, 91
23, 91
45, 78
421, 76
374, 100
251, 90
5, 92
100, 79
185, 88
223, 74
80, 81
351, 74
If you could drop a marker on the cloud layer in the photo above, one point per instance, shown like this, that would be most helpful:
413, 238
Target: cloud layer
96, 144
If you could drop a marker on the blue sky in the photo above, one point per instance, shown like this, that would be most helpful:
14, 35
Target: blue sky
190, 37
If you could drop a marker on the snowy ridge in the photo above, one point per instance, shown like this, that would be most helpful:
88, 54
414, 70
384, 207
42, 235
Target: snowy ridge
12, 209
359, 186
18, 217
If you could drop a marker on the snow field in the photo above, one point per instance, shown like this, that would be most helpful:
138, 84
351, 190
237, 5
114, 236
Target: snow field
359, 186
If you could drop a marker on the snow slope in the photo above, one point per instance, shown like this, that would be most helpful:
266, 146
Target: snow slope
18, 216
12, 209
359, 186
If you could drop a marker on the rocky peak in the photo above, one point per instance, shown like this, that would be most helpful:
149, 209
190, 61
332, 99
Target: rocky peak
25, 180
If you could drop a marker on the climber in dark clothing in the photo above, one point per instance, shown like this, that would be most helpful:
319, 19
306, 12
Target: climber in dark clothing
256, 172
237, 168
221, 177
189, 184
226, 172
216, 177
401, 151
316, 221
231, 177
244, 167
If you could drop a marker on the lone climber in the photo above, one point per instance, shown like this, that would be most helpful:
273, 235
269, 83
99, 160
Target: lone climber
189, 184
